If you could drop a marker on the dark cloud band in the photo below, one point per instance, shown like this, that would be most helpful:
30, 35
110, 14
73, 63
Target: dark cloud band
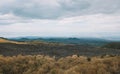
44, 9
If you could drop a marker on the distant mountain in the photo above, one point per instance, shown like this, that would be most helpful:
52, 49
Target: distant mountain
45, 46
117, 39
59, 47
81, 41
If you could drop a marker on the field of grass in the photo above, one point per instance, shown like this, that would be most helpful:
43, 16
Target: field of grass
39, 64
37, 57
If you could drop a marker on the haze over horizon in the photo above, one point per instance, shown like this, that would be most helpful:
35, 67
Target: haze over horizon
60, 18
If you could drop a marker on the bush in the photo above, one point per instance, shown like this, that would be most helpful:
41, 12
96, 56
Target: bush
40, 64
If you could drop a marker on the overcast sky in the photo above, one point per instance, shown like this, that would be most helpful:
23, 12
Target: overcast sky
60, 18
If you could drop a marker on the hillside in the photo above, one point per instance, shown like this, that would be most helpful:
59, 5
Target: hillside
4, 40
39, 57
35, 47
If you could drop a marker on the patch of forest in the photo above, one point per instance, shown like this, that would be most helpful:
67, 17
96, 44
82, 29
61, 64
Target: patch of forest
112, 45
54, 49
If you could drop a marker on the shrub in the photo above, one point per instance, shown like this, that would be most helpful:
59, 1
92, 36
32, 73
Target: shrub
40, 64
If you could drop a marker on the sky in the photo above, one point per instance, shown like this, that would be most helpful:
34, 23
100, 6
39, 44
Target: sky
60, 18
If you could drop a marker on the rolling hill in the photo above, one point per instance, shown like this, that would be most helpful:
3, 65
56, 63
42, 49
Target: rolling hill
79, 41
4, 40
58, 49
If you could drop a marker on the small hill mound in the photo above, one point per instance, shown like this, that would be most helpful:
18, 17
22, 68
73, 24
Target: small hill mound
4, 40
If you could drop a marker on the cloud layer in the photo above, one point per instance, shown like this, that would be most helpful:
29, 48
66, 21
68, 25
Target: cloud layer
79, 18
46, 9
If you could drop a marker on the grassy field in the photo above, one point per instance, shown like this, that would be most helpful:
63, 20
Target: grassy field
55, 58
39, 64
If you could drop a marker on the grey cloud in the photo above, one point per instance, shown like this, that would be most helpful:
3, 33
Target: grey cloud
74, 5
44, 9
105, 6
9, 22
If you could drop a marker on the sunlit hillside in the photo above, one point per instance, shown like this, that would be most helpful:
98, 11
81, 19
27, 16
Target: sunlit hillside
3, 40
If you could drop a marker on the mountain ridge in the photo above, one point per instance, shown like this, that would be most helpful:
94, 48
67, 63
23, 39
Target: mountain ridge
70, 40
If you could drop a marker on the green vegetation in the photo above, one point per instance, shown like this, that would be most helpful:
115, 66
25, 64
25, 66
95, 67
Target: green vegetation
39, 57
11, 48
113, 45
39, 64
53, 49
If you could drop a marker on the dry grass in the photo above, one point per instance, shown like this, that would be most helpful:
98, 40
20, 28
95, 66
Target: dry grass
40, 64
8, 41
